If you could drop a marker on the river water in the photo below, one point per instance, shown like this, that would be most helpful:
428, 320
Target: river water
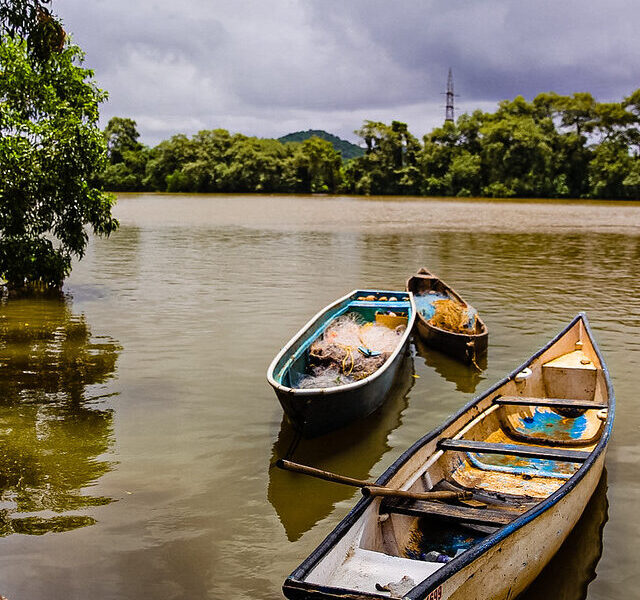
137, 428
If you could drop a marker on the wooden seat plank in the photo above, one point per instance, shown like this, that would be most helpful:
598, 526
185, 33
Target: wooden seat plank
549, 402
449, 512
577, 456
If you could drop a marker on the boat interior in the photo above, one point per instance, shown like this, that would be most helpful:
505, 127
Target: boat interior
424, 285
389, 308
514, 448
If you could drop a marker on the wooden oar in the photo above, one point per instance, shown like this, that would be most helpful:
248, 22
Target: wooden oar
369, 488
288, 465
374, 490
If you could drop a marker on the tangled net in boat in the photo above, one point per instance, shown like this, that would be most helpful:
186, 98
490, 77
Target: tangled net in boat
322, 377
453, 316
350, 349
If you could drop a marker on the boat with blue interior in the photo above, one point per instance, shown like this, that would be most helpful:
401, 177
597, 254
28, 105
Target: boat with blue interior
341, 365
445, 321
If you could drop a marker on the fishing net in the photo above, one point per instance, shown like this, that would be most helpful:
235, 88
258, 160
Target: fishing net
425, 303
321, 377
350, 349
453, 316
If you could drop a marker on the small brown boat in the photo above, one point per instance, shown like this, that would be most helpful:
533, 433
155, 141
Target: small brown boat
466, 344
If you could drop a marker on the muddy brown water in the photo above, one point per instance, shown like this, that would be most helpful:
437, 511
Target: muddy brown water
137, 429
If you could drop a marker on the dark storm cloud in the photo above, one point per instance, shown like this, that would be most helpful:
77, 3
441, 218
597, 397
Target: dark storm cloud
267, 67
500, 48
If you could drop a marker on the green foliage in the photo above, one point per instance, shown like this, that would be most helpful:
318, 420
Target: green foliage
346, 149
610, 167
50, 150
31, 20
20, 17
390, 165
317, 165
216, 161
128, 158
553, 146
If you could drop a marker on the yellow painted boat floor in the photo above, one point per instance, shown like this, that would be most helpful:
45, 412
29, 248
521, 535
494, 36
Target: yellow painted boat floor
470, 475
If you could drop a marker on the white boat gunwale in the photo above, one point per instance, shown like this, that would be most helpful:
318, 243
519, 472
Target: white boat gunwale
431, 583
349, 386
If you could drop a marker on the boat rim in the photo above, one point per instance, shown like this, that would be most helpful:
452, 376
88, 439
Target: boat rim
349, 386
442, 574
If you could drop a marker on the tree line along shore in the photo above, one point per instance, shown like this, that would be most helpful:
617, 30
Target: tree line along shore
552, 147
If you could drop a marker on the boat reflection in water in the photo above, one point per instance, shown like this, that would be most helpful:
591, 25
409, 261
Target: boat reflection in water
573, 568
54, 425
302, 501
465, 377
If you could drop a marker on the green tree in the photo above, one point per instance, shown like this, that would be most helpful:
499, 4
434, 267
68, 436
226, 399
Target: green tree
517, 151
318, 166
50, 149
613, 172
390, 165
122, 136
31, 20
167, 158
450, 160
127, 157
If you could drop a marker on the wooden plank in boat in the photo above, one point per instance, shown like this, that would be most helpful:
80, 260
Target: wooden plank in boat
429, 508
550, 402
522, 450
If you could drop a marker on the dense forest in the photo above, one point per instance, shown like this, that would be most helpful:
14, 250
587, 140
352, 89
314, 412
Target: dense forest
555, 146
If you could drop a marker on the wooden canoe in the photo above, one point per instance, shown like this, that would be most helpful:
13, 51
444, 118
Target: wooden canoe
467, 347
316, 411
531, 450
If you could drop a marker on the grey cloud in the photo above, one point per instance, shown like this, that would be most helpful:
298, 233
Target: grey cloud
500, 48
265, 68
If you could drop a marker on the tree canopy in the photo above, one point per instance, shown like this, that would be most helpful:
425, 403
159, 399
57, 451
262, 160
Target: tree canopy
554, 146
51, 149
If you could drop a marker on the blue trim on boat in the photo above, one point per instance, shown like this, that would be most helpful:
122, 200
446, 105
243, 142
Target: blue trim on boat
547, 468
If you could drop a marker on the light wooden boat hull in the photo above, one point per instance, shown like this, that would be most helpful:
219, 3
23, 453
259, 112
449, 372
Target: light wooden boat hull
314, 412
366, 548
464, 347
508, 568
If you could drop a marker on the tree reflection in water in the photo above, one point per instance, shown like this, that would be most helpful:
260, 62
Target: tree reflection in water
54, 424
300, 501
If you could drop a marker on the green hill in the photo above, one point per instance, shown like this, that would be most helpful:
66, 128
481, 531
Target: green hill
347, 149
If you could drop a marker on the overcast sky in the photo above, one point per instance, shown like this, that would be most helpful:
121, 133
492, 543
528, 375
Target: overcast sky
270, 67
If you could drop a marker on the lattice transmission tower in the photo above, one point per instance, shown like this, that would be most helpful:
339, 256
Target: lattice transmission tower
449, 116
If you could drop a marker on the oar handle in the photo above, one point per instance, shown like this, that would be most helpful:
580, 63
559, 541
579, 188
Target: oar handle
374, 490
320, 474
369, 488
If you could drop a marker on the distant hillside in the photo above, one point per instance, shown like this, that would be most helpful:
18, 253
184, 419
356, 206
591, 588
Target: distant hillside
347, 149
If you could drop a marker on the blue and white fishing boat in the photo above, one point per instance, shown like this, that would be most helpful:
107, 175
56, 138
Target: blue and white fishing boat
314, 411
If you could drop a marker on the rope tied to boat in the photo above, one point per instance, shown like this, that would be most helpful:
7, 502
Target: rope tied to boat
348, 354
